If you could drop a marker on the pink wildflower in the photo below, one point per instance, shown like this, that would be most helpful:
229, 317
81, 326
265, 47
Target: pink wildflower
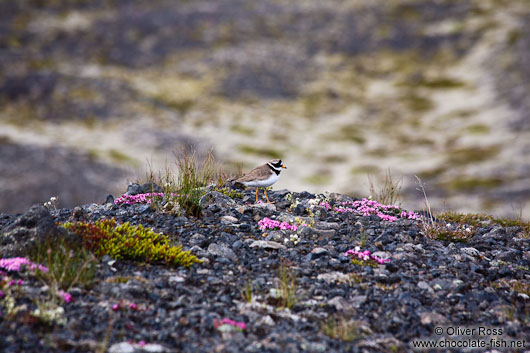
15, 282
226, 321
15, 263
133, 306
367, 207
325, 205
267, 223
365, 255
115, 307
67, 297
141, 343
138, 198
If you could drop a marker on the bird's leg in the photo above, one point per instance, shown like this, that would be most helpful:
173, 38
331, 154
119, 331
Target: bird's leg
257, 194
265, 191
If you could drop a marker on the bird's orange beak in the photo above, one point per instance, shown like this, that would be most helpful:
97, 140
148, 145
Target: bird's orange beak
284, 167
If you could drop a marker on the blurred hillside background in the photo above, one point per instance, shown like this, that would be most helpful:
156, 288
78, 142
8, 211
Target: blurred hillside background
93, 93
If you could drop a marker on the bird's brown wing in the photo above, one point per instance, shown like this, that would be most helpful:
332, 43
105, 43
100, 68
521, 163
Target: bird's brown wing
261, 172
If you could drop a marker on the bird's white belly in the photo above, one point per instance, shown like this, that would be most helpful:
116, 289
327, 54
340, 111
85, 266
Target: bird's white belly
263, 183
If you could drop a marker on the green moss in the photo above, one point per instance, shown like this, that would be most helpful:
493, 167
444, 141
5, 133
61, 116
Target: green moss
243, 130
417, 103
477, 220
514, 36
120, 157
466, 155
268, 152
458, 232
432, 173
474, 183
478, 129
362, 263
365, 169
440, 83
351, 133
182, 106
333, 158
230, 193
472, 219
318, 179
124, 241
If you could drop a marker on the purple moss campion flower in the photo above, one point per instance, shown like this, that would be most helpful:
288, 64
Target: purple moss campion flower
326, 205
141, 343
267, 223
365, 255
237, 324
133, 306
366, 207
115, 307
15, 282
138, 198
15, 264
67, 297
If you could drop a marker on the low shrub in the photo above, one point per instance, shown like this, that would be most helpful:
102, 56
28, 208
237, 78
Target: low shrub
125, 241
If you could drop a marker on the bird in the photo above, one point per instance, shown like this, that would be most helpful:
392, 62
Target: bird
263, 176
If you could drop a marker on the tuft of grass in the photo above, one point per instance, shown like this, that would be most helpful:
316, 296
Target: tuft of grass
390, 191
68, 264
342, 329
183, 189
192, 179
246, 292
432, 228
125, 241
514, 285
472, 219
287, 287
477, 220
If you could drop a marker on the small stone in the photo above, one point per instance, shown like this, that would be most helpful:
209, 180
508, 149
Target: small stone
342, 305
470, 251
265, 244
325, 233
433, 317
334, 277
425, 286
229, 219
265, 320
176, 279
123, 347
357, 300
222, 251
327, 225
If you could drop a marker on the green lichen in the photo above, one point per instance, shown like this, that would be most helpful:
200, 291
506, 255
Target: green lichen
128, 242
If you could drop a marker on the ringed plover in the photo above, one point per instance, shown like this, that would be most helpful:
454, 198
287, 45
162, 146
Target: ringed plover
263, 176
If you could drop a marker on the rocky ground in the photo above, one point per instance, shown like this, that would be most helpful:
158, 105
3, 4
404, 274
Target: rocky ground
293, 293
339, 90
